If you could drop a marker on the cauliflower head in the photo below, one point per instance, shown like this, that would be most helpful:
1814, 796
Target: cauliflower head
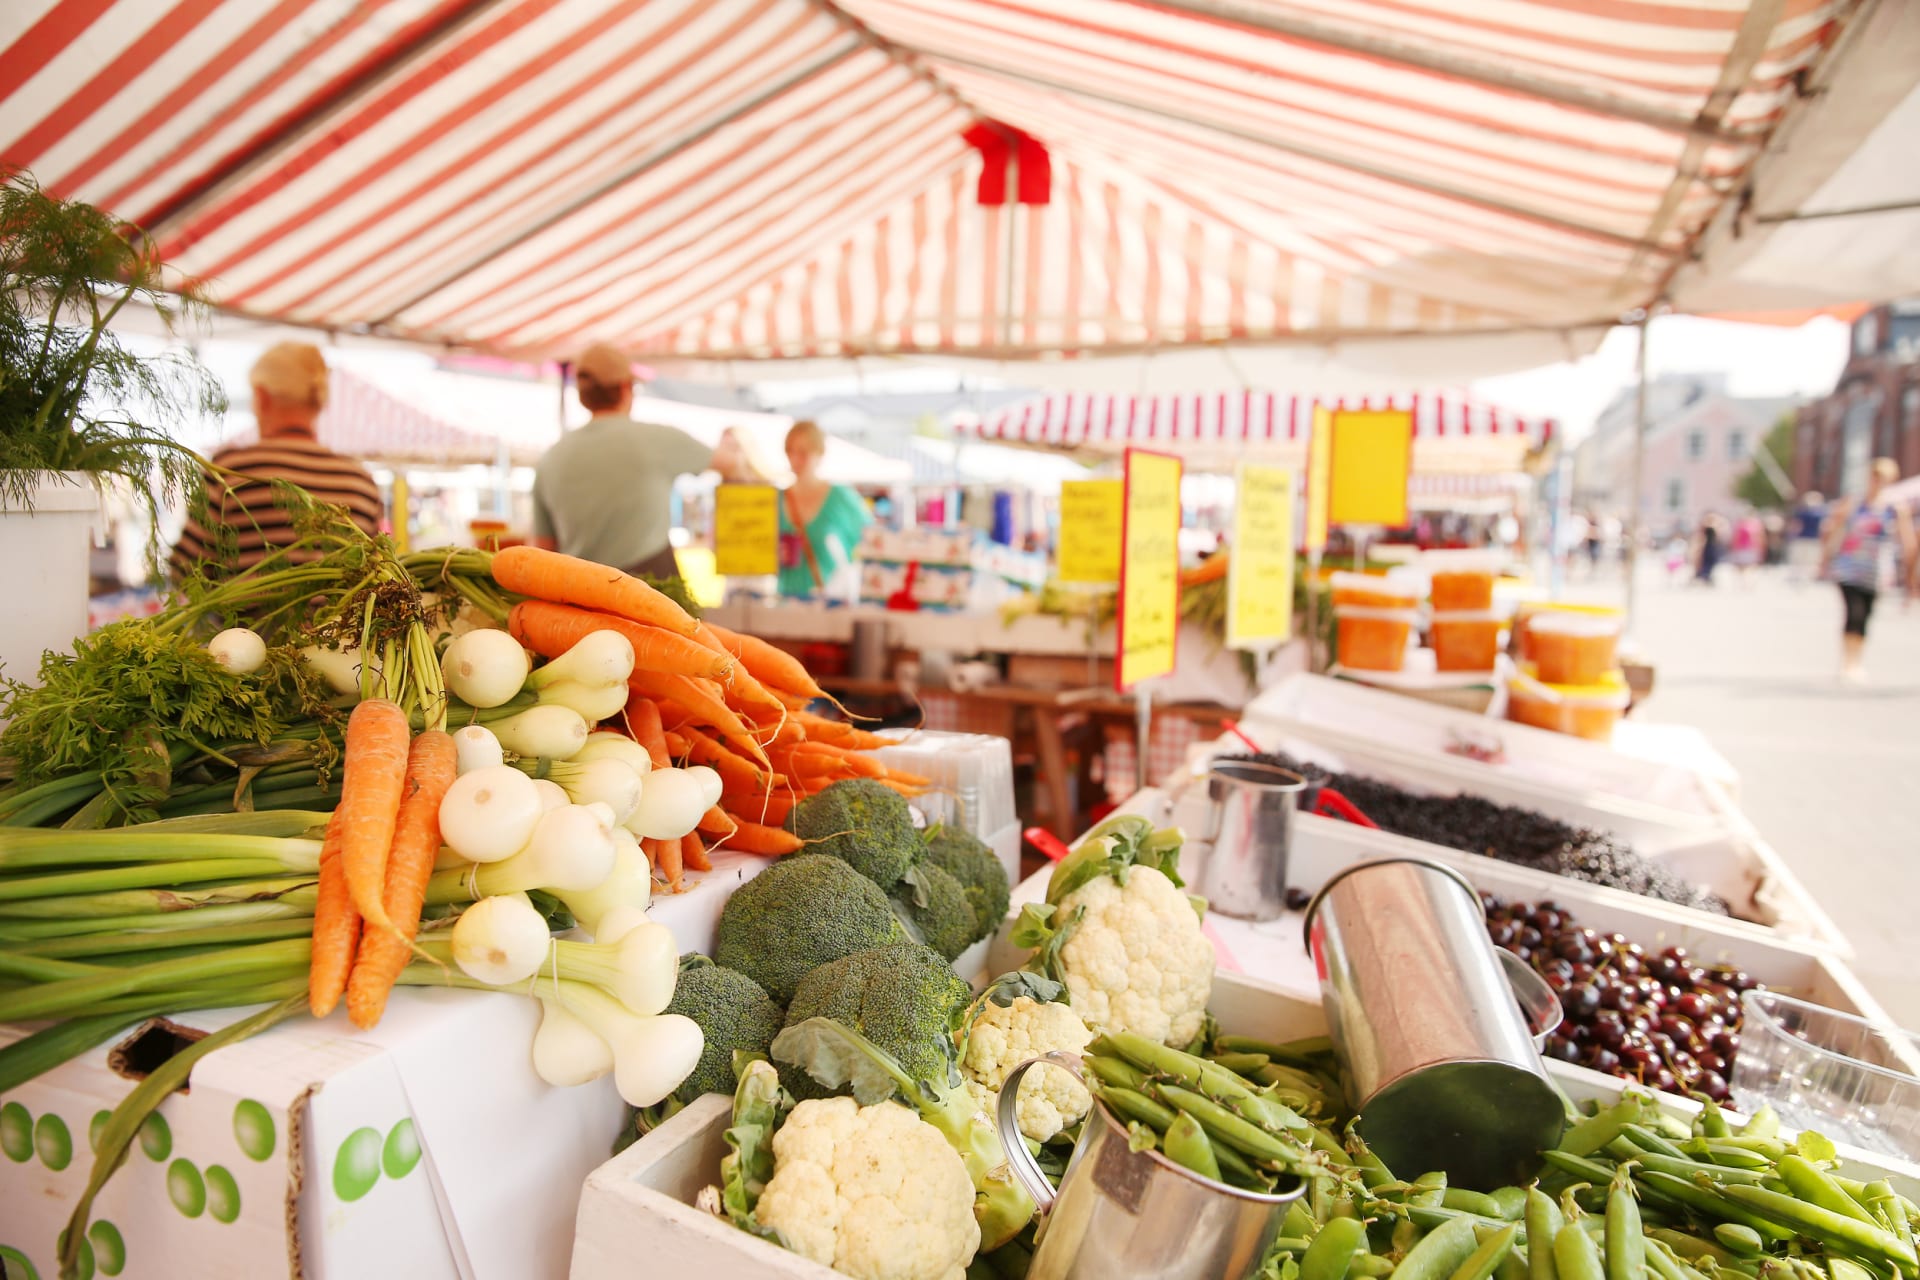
874, 1192
1137, 960
1002, 1037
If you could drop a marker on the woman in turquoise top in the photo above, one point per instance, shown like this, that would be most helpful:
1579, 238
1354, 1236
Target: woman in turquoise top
820, 562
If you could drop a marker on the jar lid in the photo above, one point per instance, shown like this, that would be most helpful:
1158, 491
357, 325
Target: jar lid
1470, 615
1560, 623
1609, 693
1363, 613
1376, 584
1463, 561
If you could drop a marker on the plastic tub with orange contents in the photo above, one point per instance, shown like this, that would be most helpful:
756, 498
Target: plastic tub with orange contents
1462, 580
1374, 639
1373, 591
1582, 710
1466, 640
1573, 648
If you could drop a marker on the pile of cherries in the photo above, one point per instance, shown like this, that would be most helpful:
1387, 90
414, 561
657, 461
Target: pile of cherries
1654, 1017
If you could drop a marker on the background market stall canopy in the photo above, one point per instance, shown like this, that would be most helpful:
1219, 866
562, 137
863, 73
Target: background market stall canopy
1007, 178
1452, 433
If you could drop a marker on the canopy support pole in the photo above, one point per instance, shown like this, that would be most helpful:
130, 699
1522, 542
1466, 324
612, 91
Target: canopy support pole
1637, 522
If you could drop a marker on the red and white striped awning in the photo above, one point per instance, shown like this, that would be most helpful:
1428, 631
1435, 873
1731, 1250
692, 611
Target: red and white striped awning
784, 178
363, 420
1253, 418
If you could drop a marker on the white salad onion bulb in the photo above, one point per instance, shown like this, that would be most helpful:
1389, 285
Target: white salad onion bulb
627, 888
606, 781
552, 794
566, 1051
340, 668
604, 744
475, 747
593, 702
501, 940
548, 730
490, 813
599, 658
671, 802
572, 849
651, 1056
485, 668
638, 969
710, 785
239, 650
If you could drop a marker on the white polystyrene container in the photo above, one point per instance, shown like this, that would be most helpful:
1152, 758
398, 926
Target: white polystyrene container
43, 573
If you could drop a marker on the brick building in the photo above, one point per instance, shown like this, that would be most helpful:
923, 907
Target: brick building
1873, 411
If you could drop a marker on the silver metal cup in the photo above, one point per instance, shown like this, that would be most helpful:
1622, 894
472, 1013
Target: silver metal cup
1250, 830
1122, 1214
1440, 1062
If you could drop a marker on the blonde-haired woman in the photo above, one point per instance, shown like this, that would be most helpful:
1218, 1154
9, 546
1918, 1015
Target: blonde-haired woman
243, 524
820, 522
1862, 534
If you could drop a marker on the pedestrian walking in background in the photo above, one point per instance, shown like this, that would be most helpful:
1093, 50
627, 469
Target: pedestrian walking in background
1804, 537
1748, 545
1860, 536
1708, 549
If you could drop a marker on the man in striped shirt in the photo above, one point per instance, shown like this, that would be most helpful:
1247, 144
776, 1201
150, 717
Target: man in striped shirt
289, 390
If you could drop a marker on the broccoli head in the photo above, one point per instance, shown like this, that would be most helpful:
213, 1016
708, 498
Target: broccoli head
963, 856
904, 998
864, 824
935, 907
734, 1012
797, 915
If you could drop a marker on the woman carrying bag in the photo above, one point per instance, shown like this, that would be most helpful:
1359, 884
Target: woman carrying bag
820, 524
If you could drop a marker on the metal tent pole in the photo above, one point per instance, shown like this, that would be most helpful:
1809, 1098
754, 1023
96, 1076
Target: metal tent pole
1637, 525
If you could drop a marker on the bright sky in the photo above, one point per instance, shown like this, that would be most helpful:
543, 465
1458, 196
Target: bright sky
1758, 359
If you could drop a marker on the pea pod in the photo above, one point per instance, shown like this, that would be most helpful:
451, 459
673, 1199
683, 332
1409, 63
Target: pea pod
1810, 1183
1597, 1130
1714, 1204
1580, 1167
1847, 1269
1267, 1111
1511, 1201
1738, 1238
1543, 1227
1116, 1071
1432, 1216
1890, 1209
1626, 1244
1332, 1253
1575, 1255
1473, 1202
1226, 1127
1667, 1264
1440, 1252
1513, 1266
1764, 1123
1823, 1224
1688, 1247
1493, 1250
1373, 1172
1185, 1143
1371, 1266
1129, 1104
1691, 1169
1298, 1221
1183, 1068
1649, 1141
1711, 1122
1241, 1064
1429, 1191
1306, 1053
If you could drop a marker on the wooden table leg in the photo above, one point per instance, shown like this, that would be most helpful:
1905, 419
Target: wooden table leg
1054, 781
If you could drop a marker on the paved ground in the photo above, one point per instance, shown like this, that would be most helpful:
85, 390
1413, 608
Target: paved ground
1829, 774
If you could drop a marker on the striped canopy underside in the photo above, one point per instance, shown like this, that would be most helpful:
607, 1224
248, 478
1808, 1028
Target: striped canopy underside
747, 179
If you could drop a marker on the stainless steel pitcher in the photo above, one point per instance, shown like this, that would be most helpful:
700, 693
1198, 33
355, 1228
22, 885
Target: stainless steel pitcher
1250, 830
1121, 1213
1441, 1063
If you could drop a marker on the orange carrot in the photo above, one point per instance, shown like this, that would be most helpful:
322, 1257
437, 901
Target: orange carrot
858, 761
767, 807
548, 575
375, 753
693, 852
908, 779
643, 722
734, 770
667, 862
416, 842
752, 837
808, 767
552, 629
773, 667
715, 822
821, 729
707, 709
907, 789
336, 927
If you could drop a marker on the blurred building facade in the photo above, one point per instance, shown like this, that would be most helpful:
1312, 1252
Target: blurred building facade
1873, 410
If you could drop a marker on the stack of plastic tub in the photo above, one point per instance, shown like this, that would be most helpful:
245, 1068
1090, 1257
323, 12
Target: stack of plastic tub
1569, 680
1466, 628
1375, 617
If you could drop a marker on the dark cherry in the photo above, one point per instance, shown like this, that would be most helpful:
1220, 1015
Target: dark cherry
1691, 1006
1664, 1080
1581, 1002
1712, 1062
1603, 1060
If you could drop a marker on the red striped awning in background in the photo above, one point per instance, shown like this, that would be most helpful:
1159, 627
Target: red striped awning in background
1096, 420
361, 420
784, 178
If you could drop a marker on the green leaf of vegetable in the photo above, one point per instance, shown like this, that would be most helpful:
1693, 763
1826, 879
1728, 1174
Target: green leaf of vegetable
1815, 1146
758, 1107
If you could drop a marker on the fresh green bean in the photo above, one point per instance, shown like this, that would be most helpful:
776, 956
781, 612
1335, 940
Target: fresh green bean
1713, 1204
1473, 1202
1117, 1072
1439, 1253
1596, 1131
1185, 1143
1512, 1202
1812, 1184
1711, 1122
1739, 1238
1130, 1104
1225, 1126
1334, 1248
1575, 1255
1823, 1224
1491, 1253
1649, 1141
1543, 1227
1626, 1240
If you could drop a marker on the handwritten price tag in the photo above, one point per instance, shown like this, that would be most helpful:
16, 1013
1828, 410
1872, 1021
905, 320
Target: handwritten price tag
1091, 517
1260, 574
746, 530
1149, 620
1319, 470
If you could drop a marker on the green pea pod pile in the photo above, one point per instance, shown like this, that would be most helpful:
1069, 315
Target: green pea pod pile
1630, 1193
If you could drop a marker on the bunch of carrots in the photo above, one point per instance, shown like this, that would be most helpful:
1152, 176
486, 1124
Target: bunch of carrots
699, 694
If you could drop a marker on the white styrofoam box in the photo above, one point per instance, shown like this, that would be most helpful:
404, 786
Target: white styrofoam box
1719, 850
45, 571
1341, 713
641, 1203
1275, 951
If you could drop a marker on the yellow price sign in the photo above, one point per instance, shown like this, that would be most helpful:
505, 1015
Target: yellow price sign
1372, 457
1319, 451
1260, 574
1149, 612
746, 530
1091, 517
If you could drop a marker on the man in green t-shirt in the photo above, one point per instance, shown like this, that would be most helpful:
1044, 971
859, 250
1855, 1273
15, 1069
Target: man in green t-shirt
604, 492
